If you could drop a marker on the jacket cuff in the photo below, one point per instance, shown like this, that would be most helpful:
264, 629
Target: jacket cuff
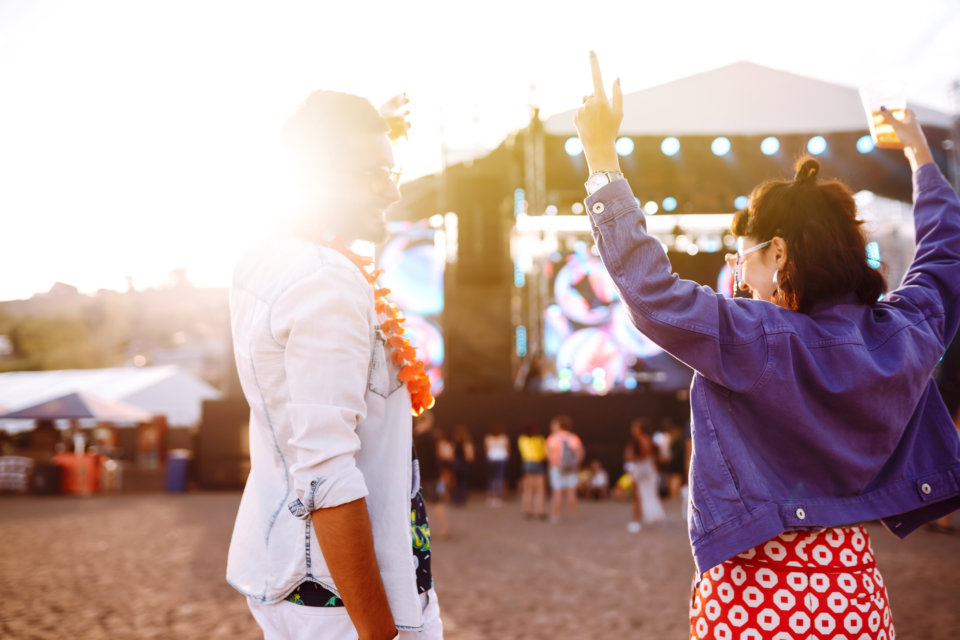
324, 492
610, 201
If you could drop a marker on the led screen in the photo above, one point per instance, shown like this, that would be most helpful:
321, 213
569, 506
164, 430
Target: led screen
413, 271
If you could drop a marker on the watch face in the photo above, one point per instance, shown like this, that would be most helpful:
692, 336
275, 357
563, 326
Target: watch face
596, 181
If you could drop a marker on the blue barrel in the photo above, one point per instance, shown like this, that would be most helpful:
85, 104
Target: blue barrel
178, 462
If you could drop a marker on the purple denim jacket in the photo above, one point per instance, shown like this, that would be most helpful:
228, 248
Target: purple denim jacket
812, 420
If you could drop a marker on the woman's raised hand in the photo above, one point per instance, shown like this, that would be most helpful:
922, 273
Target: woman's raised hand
908, 130
598, 122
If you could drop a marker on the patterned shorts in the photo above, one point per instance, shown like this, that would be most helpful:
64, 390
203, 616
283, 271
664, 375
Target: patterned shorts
803, 584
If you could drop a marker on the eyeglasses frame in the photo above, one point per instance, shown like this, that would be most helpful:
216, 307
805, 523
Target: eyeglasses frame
741, 254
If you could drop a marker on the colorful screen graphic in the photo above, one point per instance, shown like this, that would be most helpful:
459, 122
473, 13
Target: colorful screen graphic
588, 337
413, 271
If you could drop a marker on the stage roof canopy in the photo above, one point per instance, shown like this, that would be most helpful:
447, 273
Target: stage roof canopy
742, 98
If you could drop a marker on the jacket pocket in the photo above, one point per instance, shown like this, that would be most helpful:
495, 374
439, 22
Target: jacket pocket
382, 378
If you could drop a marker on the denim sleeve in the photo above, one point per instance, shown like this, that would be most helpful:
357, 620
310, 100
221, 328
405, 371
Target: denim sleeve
933, 280
322, 322
722, 339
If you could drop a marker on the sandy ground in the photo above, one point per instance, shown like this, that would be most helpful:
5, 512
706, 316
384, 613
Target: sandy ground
152, 566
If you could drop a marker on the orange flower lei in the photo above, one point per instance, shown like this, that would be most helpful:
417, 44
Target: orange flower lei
404, 355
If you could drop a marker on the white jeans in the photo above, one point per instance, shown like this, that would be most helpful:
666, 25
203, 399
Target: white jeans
288, 621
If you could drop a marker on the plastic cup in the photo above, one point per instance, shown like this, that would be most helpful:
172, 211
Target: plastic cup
895, 100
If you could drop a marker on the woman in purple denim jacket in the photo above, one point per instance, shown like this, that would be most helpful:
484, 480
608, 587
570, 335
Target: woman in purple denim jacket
813, 407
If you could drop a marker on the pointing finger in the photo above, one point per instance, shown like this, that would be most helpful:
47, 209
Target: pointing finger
597, 78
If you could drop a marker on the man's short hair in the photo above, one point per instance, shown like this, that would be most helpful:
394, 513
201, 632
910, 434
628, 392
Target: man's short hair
324, 123
564, 422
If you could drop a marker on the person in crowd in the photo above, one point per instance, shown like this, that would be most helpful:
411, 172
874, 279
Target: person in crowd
564, 455
464, 456
584, 474
812, 402
533, 485
641, 453
496, 447
446, 457
426, 442
331, 538
623, 487
674, 465
599, 485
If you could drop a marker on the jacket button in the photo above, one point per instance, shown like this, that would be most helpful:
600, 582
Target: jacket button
598, 207
926, 489
801, 514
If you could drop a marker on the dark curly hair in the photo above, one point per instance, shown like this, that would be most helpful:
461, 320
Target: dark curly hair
826, 246
316, 134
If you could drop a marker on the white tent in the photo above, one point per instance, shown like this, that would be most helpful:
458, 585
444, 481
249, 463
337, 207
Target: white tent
742, 98
166, 390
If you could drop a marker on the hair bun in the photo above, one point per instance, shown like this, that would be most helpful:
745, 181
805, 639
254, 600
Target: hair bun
807, 171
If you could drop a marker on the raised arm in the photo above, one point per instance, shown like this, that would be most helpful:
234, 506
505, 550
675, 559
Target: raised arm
721, 339
598, 122
933, 279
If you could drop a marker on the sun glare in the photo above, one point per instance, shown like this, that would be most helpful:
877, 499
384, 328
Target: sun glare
138, 138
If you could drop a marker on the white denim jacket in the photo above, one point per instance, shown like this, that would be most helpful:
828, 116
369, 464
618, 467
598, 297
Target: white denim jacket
329, 423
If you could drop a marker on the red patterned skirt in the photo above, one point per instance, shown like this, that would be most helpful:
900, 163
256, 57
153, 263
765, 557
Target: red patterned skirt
802, 584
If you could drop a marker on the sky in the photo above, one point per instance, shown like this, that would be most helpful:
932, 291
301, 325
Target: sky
137, 137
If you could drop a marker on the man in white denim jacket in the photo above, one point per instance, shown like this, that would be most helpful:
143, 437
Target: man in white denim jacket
322, 546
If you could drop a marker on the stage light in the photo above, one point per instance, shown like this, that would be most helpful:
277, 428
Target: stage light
670, 146
599, 381
650, 208
436, 221
577, 208
519, 202
551, 210
711, 245
573, 146
693, 249
630, 382
521, 341
564, 378
770, 146
624, 146
741, 202
669, 203
873, 254
519, 277
817, 145
865, 144
720, 146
